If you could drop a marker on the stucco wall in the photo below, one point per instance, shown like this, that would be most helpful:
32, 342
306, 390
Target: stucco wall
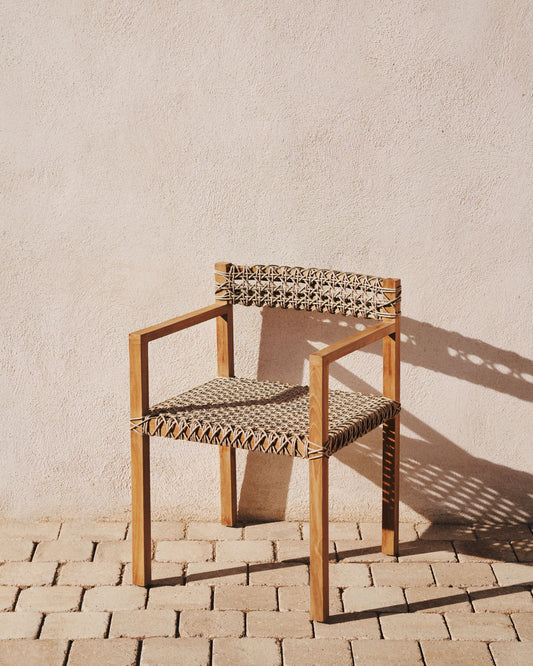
143, 141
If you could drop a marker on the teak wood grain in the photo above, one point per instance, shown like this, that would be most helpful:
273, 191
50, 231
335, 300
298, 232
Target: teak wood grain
225, 363
140, 466
318, 490
391, 431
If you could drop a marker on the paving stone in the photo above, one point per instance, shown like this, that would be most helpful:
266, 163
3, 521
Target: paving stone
319, 652
523, 550
376, 599
503, 532
484, 551
211, 624
75, 625
363, 625
273, 624
244, 551
297, 598
143, 623
116, 551
63, 551
165, 530
7, 597
437, 600
405, 574
372, 531
337, 531
93, 530
272, 531
184, 551
216, 573
445, 532
466, 574
15, 550
20, 625
480, 627
108, 651
89, 573
213, 532
518, 654
285, 573
172, 651
180, 597
115, 598
32, 653
246, 598
257, 651
59, 598
291, 550
466, 653
29, 530
163, 573
509, 573
501, 599
523, 623
364, 550
27, 573
386, 653
427, 551
415, 626
348, 574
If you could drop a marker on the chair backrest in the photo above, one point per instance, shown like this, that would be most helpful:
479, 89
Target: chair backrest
313, 289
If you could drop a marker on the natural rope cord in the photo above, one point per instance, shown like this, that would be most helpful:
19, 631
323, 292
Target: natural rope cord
313, 289
264, 416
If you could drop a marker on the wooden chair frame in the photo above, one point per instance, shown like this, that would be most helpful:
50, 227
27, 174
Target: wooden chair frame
319, 361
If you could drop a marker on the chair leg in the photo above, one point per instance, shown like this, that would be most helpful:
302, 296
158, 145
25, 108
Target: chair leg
140, 521
228, 487
391, 480
319, 539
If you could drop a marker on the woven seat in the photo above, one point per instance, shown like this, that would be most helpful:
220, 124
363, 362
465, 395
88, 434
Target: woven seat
263, 416
305, 422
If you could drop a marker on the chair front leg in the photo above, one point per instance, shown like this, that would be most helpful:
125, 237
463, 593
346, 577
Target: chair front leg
319, 539
140, 523
391, 497
228, 487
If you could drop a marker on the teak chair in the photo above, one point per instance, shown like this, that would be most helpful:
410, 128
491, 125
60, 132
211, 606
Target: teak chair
277, 418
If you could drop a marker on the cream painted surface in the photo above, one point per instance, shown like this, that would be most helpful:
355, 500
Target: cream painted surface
143, 141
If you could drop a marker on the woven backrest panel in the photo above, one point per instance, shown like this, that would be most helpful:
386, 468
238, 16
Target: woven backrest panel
313, 289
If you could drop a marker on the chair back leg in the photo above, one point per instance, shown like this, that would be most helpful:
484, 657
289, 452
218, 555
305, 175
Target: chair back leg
140, 520
390, 507
228, 487
319, 539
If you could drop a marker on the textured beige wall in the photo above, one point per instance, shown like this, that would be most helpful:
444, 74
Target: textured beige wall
143, 141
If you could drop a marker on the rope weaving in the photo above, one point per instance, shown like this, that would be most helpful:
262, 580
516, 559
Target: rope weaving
312, 289
265, 416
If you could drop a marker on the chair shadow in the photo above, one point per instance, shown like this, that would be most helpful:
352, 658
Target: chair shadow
439, 479
422, 605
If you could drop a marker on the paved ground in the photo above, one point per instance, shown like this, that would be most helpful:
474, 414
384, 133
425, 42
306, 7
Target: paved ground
456, 595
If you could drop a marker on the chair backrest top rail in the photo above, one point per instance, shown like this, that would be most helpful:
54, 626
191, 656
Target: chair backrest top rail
312, 289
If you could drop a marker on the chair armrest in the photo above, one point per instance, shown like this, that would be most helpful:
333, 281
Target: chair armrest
319, 376
353, 342
179, 323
